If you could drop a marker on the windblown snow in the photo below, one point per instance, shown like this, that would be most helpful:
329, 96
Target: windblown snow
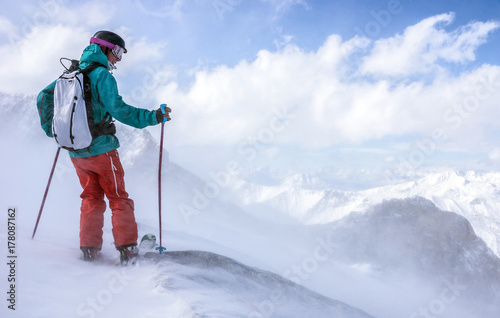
244, 291
252, 247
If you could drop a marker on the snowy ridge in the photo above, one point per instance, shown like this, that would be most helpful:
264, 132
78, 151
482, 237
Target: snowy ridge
396, 233
254, 293
474, 195
413, 238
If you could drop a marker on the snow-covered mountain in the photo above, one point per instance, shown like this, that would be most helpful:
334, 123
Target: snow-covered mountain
474, 195
413, 236
250, 250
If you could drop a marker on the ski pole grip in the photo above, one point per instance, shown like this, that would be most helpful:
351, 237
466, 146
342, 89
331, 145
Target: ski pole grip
162, 107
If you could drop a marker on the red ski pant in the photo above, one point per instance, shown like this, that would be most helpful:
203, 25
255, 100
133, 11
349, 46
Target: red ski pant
103, 175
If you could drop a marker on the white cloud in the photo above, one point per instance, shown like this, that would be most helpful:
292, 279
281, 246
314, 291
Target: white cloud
85, 13
311, 99
328, 103
142, 50
51, 30
88, 13
494, 154
7, 27
420, 48
32, 61
46, 32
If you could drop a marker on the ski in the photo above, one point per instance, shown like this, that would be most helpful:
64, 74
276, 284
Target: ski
148, 242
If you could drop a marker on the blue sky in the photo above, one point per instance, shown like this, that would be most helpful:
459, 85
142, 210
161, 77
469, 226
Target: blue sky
351, 85
226, 31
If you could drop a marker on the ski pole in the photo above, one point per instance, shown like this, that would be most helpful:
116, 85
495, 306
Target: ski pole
46, 191
162, 107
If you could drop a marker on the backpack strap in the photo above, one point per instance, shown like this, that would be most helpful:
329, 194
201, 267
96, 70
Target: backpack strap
92, 66
106, 126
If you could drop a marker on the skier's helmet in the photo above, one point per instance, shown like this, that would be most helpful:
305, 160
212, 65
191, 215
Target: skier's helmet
111, 40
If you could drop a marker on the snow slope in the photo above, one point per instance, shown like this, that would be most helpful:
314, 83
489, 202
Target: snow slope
54, 282
253, 292
225, 261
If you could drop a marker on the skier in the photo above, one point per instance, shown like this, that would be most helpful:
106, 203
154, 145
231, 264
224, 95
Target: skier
98, 167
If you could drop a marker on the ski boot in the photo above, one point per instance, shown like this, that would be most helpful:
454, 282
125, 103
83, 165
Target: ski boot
128, 253
91, 254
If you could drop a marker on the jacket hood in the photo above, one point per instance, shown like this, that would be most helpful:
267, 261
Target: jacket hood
93, 53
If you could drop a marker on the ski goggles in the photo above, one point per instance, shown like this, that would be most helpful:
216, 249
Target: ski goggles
118, 51
115, 49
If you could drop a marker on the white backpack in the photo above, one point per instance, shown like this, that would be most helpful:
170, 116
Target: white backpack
73, 123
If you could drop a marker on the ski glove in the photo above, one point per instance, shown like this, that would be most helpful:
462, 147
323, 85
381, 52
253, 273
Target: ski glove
163, 114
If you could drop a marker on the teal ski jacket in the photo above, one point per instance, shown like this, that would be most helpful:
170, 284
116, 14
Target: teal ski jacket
105, 99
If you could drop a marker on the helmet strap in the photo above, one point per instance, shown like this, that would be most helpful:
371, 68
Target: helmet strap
102, 42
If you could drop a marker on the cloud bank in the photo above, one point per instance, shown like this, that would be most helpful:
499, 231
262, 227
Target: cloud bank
421, 84
347, 91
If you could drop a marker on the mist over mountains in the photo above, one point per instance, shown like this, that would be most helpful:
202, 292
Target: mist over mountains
427, 247
474, 195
